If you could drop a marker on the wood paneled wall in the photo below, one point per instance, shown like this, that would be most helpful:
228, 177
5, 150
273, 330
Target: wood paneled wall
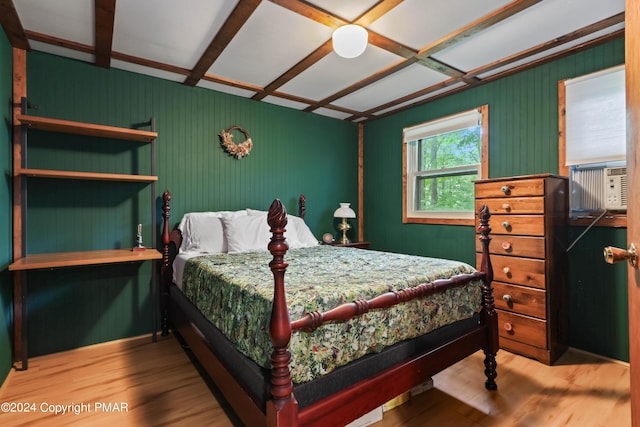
523, 139
294, 152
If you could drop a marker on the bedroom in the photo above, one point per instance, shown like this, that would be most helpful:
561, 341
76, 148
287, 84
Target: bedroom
291, 143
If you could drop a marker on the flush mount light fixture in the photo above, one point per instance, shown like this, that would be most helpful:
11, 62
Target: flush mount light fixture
350, 41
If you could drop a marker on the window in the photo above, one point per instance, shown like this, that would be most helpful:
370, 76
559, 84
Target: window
441, 160
595, 117
592, 145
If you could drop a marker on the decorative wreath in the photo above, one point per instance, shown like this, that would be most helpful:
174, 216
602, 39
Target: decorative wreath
236, 150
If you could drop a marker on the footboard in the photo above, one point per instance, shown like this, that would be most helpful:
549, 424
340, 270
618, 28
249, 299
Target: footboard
283, 409
273, 402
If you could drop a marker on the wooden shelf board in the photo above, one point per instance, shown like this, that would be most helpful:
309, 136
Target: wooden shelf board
72, 259
89, 129
98, 176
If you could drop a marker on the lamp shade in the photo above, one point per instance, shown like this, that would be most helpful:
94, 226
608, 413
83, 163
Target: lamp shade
350, 40
344, 211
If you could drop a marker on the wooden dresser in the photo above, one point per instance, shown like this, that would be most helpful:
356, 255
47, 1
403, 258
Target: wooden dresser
528, 221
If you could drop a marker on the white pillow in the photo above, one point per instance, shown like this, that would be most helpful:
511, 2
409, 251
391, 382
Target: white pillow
249, 233
304, 236
256, 212
252, 233
298, 233
203, 232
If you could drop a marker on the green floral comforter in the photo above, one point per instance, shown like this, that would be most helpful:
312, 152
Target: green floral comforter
235, 292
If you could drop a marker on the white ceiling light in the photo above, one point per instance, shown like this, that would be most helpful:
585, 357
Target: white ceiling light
350, 41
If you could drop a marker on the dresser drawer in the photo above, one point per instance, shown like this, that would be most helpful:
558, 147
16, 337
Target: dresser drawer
523, 246
527, 225
513, 205
517, 270
522, 328
514, 188
520, 299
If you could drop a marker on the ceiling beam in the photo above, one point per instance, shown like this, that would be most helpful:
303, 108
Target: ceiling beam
540, 61
55, 41
149, 63
479, 25
323, 17
10, 19
80, 47
12, 26
230, 28
297, 69
424, 55
558, 41
314, 13
575, 35
376, 12
105, 12
557, 55
362, 83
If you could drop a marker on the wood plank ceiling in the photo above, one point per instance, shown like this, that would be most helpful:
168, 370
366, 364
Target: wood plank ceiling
280, 51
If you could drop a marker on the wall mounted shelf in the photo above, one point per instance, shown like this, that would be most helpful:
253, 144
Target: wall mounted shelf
23, 260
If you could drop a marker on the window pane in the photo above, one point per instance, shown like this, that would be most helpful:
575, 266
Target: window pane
448, 193
457, 148
442, 160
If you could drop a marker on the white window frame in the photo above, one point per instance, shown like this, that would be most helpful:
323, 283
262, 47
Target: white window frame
450, 123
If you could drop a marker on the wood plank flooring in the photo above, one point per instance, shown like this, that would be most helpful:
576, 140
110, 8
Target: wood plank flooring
138, 383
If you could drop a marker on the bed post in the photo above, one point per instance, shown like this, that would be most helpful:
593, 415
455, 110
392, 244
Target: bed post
488, 312
302, 206
165, 273
282, 409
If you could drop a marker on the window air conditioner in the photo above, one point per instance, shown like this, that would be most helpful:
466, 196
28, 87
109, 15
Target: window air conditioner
615, 187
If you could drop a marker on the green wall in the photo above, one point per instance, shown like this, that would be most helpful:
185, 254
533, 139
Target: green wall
523, 138
294, 153
6, 288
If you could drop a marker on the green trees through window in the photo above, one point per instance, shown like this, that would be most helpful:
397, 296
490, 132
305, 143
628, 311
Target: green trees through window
448, 165
441, 160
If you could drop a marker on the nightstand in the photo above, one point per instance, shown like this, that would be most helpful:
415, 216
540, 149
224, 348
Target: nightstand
359, 245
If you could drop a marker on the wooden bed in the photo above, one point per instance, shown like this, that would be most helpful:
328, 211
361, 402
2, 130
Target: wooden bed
270, 398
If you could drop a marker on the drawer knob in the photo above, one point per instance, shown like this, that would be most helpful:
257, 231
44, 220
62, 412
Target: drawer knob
506, 224
507, 298
505, 189
506, 270
506, 207
508, 327
506, 246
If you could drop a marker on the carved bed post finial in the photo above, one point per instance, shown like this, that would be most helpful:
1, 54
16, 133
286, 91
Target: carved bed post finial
165, 276
302, 209
284, 404
488, 305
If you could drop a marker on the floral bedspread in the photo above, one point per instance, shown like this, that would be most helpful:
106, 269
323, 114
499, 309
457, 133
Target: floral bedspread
235, 292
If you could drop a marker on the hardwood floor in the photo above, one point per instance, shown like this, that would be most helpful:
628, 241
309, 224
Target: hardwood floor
149, 384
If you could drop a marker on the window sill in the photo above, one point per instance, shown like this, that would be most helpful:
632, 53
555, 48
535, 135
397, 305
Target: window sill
442, 221
609, 220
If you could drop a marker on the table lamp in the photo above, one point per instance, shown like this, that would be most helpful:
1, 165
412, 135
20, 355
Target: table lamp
344, 212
